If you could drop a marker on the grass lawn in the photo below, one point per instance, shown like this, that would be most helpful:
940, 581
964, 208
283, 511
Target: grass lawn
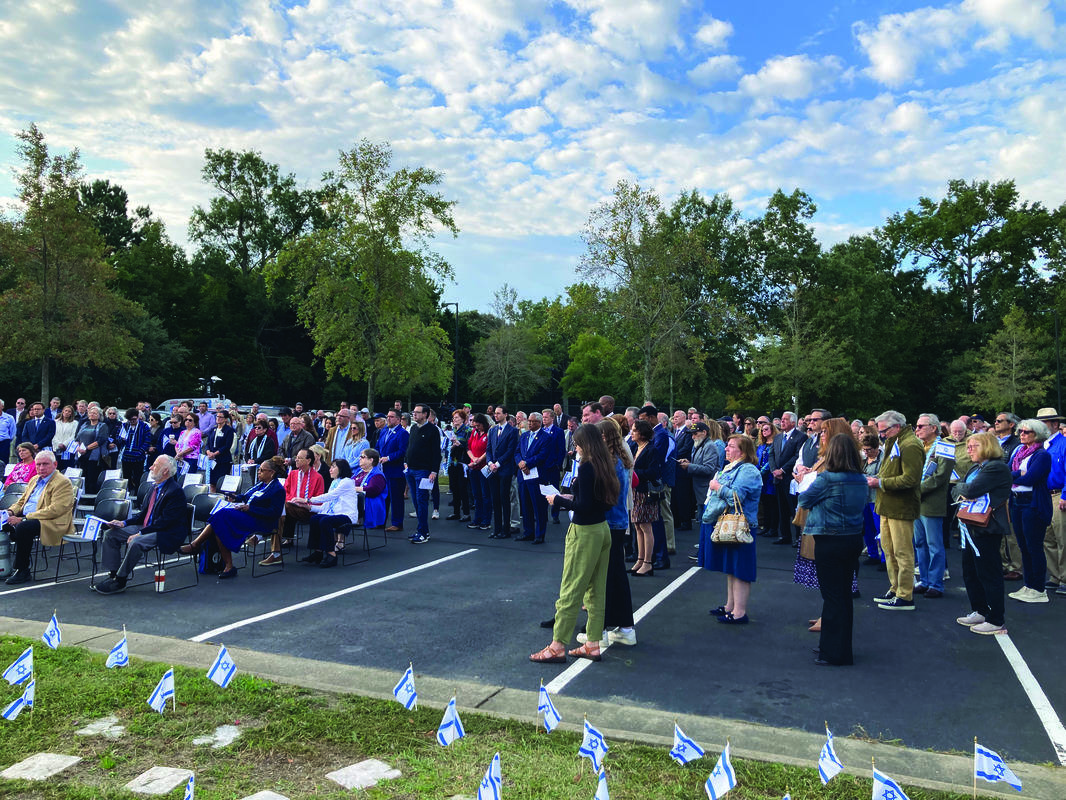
291, 737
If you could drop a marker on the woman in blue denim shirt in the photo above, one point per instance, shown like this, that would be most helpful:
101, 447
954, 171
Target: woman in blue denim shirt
836, 500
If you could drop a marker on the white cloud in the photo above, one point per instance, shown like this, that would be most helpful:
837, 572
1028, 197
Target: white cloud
1026, 19
790, 77
619, 26
528, 120
714, 33
715, 69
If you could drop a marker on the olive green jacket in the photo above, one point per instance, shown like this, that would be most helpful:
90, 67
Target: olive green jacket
900, 493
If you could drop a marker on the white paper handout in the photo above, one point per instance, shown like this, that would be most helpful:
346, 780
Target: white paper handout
532, 474
805, 482
548, 490
426, 483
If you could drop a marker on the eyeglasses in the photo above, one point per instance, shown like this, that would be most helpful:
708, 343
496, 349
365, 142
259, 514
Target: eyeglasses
1024, 430
925, 425
189, 419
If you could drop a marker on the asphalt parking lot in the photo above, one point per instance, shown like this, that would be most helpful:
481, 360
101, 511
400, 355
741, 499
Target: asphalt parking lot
463, 607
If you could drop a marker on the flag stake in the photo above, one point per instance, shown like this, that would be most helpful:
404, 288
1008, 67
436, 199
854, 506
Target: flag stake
975, 768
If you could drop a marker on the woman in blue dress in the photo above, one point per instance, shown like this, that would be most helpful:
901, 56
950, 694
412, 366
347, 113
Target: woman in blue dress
257, 511
740, 475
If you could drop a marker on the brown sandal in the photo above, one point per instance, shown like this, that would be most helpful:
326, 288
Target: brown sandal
592, 654
548, 656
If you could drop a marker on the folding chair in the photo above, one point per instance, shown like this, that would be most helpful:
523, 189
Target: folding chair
88, 498
193, 490
251, 546
160, 561
12, 493
248, 473
192, 478
201, 510
102, 496
107, 509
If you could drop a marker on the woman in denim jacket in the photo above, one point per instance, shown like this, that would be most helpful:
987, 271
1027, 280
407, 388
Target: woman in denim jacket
836, 500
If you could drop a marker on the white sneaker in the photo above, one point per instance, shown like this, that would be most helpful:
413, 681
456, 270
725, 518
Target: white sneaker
947, 574
917, 572
1019, 594
436, 514
583, 637
987, 628
413, 515
971, 619
619, 636
1033, 596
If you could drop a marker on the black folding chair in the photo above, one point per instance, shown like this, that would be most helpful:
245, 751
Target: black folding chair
107, 509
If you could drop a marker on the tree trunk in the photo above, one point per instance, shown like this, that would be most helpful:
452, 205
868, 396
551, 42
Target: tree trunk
44, 381
370, 391
647, 372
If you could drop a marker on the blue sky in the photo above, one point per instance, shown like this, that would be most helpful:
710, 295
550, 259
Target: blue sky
534, 110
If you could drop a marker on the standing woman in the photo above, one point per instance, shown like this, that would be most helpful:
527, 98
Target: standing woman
219, 448
1030, 507
92, 439
458, 465
259, 446
871, 522
835, 502
587, 551
188, 446
476, 446
737, 561
66, 431
982, 570
618, 602
764, 450
648, 467
155, 439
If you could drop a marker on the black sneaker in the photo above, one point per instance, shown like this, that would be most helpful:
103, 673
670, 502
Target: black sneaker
419, 538
898, 604
473, 526
111, 586
887, 597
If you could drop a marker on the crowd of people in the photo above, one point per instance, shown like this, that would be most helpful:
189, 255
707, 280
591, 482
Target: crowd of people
832, 488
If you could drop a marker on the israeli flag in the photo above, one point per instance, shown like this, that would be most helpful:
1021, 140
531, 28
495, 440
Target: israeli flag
235, 471
895, 449
221, 504
451, 727
547, 708
722, 777
684, 749
119, 655
21, 668
404, 691
886, 789
829, 765
52, 636
4, 515
988, 766
25, 700
29, 693
223, 670
492, 783
190, 788
93, 526
601, 787
593, 747
164, 691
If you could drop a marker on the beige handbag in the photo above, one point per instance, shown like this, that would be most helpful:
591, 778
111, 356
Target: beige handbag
732, 528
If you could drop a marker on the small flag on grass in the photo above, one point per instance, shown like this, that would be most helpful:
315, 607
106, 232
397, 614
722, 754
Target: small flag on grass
164, 691
684, 749
404, 691
451, 727
52, 636
593, 747
722, 777
492, 783
547, 708
21, 668
223, 670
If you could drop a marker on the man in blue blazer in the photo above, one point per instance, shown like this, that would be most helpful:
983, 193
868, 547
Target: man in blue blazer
534, 452
556, 456
786, 451
500, 458
163, 522
392, 445
38, 430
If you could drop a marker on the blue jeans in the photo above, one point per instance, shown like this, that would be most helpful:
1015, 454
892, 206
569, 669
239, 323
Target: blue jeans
929, 551
420, 498
479, 490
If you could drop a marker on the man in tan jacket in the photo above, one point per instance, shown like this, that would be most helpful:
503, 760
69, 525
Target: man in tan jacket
45, 510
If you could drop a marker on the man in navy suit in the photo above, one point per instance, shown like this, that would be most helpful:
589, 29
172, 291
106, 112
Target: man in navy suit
551, 474
38, 429
534, 451
162, 523
500, 457
786, 451
392, 445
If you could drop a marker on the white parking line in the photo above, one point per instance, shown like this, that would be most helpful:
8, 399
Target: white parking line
563, 678
326, 597
1044, 710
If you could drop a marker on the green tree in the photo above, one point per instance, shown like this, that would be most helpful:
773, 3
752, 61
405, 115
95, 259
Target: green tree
507, 361
57, 302
364, 281
595, 367
1013, 367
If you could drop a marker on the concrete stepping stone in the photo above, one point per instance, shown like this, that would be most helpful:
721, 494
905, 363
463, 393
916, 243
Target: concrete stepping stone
158, 780
223, 735
266, 794
107, 727
364, 774
40, 766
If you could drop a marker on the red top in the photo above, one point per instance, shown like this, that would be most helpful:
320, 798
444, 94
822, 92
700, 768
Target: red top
477, 443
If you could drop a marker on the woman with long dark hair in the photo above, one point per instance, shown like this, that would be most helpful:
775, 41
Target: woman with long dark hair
835, 502
648, 466
587, 551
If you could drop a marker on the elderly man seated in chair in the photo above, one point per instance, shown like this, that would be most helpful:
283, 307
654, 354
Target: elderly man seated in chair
45, 510
163, 522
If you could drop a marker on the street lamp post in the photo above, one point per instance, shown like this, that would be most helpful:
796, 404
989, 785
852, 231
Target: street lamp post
455, 358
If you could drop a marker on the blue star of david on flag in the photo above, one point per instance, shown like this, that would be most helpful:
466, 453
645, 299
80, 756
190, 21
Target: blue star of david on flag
593, 747
722, 777
119, 655
684, 749
988, 766
451, 727
829, 765
223, 670
404, 691
547, 708
21, 668
52, 635
492, 783
886, 789
163, 692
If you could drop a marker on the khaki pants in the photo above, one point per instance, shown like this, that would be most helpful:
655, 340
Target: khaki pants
667, 513
1055, 542
897, 540
1010, 554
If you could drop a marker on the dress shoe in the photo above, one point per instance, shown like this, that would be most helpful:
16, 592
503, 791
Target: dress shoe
537, 541
466, 518
1012, 575
452, 516
314, 558
393, 528
649, 574
662, 564
933, 594
271, 560
527, 537
17, 577
501, 536
227, 573
473, 526
328, 561
781, 541
111, 586
631, 559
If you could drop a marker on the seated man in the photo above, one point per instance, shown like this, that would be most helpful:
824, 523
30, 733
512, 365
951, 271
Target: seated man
297, 440
303, 482
45, 510
162, 523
